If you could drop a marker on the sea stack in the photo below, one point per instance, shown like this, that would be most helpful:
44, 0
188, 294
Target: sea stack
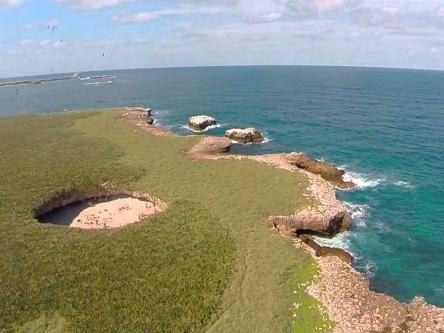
244, 135
201, 123
139, 112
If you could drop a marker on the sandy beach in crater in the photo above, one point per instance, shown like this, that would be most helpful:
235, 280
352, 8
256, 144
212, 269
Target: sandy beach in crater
93, 214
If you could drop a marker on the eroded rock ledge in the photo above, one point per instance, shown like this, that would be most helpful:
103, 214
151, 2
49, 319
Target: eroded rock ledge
355, 308
210, 147
327, 171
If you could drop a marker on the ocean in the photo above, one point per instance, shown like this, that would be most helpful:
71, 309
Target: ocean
385, 127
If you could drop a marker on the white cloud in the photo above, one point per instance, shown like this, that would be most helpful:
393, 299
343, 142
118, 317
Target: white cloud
45, 42
328, 5
304, 7
266, 18
25, 27
143, 17
440, 13
386, 17
26, 42
9, 3
90, 4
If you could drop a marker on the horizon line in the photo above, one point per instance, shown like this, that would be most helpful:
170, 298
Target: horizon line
238, 65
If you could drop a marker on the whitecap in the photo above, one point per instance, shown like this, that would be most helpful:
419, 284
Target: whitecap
361, 181
357, 211
266, 140
84, 78
95, 84
404, 184
201, 131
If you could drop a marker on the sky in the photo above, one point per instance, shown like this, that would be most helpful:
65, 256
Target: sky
38, 37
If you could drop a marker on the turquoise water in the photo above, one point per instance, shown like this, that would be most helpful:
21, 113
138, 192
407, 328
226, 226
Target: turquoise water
384, 126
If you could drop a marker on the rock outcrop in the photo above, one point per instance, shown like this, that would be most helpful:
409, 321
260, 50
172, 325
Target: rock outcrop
201, 123
141, 117
139, 113
323, 251
244, 135
349, 301
210, 147
326, 217
326, 170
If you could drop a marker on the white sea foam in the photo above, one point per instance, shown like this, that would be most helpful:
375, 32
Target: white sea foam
404, 184
96, 84
382, 227
266, 140
84, 78
266, 137
356, 211
340, 241
201, 131
362, 181
368, 268
263, 142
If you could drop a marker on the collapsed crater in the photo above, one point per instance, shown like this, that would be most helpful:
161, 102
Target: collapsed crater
100, 210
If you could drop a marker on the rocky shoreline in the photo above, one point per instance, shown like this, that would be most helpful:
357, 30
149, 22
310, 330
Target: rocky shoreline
344, 293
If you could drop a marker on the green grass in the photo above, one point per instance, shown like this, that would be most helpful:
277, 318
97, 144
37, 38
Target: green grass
304, 319
209, 263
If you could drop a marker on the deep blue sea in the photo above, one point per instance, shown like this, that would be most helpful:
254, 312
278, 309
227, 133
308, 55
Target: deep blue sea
384, 126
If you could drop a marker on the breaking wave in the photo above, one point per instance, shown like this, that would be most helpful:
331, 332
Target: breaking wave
362, 181
201, 131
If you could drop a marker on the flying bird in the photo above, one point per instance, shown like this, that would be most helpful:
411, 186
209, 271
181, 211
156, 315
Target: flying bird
52, 27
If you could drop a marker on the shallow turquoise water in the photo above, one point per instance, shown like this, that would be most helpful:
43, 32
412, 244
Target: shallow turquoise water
384, 126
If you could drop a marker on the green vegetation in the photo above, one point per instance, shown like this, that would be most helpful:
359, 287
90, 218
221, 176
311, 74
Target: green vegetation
208, 263
304, 319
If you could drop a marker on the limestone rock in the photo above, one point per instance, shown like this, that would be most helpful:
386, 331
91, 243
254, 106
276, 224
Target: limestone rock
139, 113
202, 122
244, 135
211, 146
327, 170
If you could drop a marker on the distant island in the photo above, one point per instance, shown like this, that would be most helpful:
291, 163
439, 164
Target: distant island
75, 76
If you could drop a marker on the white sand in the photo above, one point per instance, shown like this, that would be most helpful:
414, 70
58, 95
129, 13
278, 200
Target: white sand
114, 214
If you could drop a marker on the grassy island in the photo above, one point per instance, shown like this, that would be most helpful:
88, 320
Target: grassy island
208, 263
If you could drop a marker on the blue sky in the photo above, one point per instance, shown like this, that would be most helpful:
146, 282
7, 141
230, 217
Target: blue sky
77, 35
